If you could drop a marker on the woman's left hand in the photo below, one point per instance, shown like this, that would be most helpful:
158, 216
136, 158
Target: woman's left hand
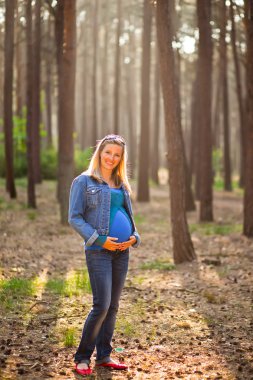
126, 244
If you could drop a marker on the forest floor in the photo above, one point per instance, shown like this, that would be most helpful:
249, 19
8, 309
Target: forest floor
190, 321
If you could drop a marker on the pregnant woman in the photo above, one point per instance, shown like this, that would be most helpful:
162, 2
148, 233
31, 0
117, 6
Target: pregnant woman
100, 211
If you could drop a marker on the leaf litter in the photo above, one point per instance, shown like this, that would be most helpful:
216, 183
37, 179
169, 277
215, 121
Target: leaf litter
190, 321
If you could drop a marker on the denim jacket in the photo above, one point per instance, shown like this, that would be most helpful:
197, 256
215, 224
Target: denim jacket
89, 208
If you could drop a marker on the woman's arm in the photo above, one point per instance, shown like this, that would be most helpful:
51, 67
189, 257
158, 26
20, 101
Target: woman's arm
77, 206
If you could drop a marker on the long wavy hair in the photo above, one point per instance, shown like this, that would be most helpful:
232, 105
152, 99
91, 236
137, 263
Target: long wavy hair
119, 174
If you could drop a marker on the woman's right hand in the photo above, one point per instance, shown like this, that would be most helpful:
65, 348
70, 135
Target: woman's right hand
111, 244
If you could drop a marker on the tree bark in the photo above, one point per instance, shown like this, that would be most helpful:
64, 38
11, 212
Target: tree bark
216, 113
182, 245
156, 126
248, 193
94, 74
194, 149
84, 141
36, 94
105, 87
143, 167
131, 102
117, 71
20, 66
8, 97
189, 200
47, 84
29, 94
226, 129
59, 32
204, 104
67, 108
239, 94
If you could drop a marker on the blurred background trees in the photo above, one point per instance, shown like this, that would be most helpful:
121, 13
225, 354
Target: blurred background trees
82, 69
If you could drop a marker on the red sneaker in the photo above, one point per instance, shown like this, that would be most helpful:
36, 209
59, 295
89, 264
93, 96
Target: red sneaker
113, 365
83, 371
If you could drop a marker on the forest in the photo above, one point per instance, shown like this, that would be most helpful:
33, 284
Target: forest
175, 79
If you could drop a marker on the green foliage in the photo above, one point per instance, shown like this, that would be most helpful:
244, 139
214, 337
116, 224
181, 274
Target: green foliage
69, 338
126, 327
217, 161
32, 214
82, 158
49, 163
14, 291
49, 156
219, 184
138, 218
215, 229
77, 283
158, 264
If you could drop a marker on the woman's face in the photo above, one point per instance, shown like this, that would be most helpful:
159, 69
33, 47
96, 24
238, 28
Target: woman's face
110, 156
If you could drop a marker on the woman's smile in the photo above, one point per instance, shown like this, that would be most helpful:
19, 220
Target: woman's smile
110, 156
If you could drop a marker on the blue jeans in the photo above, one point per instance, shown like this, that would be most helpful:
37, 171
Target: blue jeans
107, 272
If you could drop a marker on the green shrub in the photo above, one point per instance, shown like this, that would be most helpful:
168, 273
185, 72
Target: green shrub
82, 159
49, 163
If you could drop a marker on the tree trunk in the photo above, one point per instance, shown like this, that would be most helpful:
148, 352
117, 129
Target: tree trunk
105, 98
239, 94
84, 141
36, 94
224, 65
194, 149
189, 200
59, 30
19, 63
29, 94
117, 72
216, 113
131, 103
8, 98
248, 194
182, 245
67, 108
48, 89
130, 96
94, 74
204, 104
143, 168
156, 127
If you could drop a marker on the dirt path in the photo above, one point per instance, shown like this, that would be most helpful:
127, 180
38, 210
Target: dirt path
194, 321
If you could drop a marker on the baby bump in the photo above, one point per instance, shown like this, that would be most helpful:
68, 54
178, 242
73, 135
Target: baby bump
121, 227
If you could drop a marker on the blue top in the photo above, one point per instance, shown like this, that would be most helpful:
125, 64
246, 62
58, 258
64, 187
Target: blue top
120, 223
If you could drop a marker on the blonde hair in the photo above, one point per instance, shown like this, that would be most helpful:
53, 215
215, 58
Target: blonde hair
119, 174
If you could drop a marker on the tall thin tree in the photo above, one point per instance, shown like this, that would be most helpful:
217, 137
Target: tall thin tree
156, 126
143, 165
238, 93
29, 119
204, 81
248, 194
225, 97
67, 108
48, 84
94, 73
182, 245
8, 97
117, 70
36, 92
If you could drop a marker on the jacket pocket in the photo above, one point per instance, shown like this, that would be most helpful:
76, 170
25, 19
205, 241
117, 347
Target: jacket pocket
92, 196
